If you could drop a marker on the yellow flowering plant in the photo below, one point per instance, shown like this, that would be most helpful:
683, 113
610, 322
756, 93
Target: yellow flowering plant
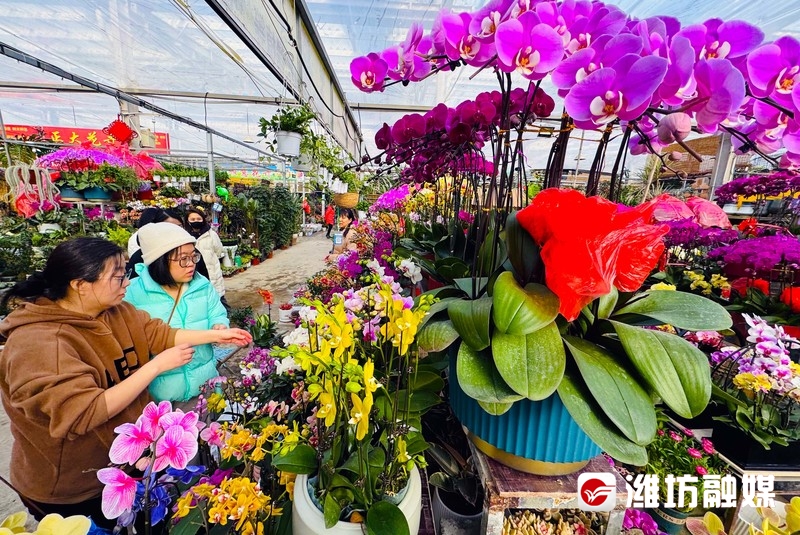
362, 370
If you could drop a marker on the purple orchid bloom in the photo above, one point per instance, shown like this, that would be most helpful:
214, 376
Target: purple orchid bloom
624, 91
774, 69
409, 127
383, 138
461, 44
604, 20
679, 83
368, 72
406, 61
717, 39
720, 92
604, 53
527, 46
485, 21
562, 17
637, 145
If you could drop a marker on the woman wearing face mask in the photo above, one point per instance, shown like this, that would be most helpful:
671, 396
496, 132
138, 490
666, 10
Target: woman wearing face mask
210, 247
168, 288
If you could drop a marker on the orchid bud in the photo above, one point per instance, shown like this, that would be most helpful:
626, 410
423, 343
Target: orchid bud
674, 127
675, 156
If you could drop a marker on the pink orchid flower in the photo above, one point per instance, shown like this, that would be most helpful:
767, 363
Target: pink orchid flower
176, 448
214, 435
119, 491
153, 413
131, 442
187, 421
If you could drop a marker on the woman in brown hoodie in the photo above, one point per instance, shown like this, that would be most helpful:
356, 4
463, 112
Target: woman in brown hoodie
77, 364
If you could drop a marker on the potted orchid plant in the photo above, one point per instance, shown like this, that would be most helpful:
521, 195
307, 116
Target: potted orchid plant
359, 455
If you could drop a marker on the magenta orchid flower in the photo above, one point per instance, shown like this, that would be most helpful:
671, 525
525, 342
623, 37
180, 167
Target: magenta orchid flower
715, 39
622, 92
176, 448
604, 53
720, 93
119, 491
679, 83
773, 69
152, 414
603, 20
186, 420
459, 43
368, 73
484, 22
527, 46
131, 442
406, 61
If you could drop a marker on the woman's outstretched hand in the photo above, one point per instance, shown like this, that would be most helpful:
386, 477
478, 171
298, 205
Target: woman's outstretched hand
174, 357
239, 337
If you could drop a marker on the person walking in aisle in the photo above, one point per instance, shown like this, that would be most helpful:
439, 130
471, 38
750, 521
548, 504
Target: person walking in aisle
77, 363
347, 220
330, 217
169, 288
210, 246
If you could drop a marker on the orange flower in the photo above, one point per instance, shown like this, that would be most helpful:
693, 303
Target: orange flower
266, 295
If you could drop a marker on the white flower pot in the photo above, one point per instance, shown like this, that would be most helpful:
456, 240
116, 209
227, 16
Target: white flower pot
284, 316
288, 143
308, 520
449, 522
46, 228
303, 163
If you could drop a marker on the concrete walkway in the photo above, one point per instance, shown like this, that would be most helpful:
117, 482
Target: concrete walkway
282, 275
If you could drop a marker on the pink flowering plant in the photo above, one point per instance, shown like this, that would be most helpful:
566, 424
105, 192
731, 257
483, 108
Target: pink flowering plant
679, 453
160, 444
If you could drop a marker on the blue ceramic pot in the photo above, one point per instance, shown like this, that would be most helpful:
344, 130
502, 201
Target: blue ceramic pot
97, 194
70, 194
538, 437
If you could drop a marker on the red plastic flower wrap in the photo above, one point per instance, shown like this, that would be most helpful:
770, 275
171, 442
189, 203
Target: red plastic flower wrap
588, 245
791, 296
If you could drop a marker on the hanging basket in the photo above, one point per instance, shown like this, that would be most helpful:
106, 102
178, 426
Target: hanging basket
288, 143
303, 163
346, 200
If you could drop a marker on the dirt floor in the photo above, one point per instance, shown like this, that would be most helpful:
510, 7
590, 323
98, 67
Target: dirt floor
282, 275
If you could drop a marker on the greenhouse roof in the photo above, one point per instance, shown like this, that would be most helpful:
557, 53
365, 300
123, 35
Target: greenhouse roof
182, 56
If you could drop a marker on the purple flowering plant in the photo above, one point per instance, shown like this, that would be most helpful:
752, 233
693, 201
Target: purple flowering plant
758, 257
760, 384
637, 519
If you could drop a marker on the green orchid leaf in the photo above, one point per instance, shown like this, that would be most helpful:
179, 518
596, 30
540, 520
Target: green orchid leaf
680, 309
495, 409
522, 311
672, 367
523, 253
419, 401
470, 287
438, 307
622, 399
531, 365
451, 268
591, 419
487, 264
607, 304
331, 510
471, 319
426, 381
191, 523
301, 460
436, 336
479, 379
384, 517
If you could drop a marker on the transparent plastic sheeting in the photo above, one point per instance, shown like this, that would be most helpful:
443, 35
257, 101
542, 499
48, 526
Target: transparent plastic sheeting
153, 44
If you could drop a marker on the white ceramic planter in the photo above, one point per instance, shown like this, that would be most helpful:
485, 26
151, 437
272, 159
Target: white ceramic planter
302, 163
288, 143
284, 316
308, 520
449, 522
46, 228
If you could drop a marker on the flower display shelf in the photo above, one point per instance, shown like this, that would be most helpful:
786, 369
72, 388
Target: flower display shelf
506, 488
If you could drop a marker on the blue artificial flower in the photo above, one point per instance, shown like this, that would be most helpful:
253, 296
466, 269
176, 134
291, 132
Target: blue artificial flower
187, 474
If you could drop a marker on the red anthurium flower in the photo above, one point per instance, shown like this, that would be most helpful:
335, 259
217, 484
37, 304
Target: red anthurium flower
588, 245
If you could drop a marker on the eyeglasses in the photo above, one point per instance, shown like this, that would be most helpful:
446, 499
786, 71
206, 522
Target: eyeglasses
186, 261
123, 278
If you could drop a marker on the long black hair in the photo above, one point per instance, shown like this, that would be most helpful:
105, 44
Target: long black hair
76, 259
152, 215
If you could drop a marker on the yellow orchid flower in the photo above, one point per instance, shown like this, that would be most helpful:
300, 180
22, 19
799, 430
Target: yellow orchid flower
14, 523
327, 405
58, 525
360, 415
370, 383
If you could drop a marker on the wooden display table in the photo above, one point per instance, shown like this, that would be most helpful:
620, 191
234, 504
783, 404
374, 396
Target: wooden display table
506, 488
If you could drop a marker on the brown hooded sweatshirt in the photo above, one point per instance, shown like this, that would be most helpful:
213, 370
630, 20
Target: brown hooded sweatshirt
54, 369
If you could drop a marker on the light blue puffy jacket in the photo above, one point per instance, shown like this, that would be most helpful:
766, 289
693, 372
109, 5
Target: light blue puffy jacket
198, 308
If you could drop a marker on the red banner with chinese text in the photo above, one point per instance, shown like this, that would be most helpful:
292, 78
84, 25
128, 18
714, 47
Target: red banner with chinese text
69, 135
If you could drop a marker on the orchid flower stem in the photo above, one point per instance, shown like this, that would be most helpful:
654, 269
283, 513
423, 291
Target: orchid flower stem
487, 64
688, 149
769, 101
